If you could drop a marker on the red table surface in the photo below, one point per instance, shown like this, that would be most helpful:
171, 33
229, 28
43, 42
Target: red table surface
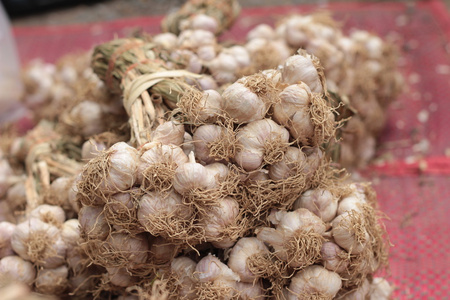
414, 194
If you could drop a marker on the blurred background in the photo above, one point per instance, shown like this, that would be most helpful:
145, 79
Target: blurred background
58, 12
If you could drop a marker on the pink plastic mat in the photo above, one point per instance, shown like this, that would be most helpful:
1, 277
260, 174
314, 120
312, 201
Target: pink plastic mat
413, 181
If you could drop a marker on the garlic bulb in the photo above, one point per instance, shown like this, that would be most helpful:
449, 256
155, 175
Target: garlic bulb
132, 250
93, 223
6, 231
217, 220
157, 158
314, 281
334, 258
5, 173
167, 208
215, 278
206, 53
240, 54
88, 117
250, 291
301, 68
297, 238
58, 193
121, 175
183, 268
360, 293
14, 267
194, 38
52, 281
169, 133
91, 148
205, 137
348, 232
219, 172
16, 196
167, 40
199, 21
72, 193
353, 202
260, 141
240, 253
243, 105
380, 289
120, 277
50, 214
319, 201
261, 31
70, 232
200, 107
162, 251
293, 162
206, 82
39, 242
192, 175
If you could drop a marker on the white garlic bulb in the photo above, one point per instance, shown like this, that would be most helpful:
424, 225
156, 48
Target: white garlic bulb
200, 21
380, 289
93, 224
192, 175
239, 254
360, 293
348, 232
5, 173
314, 281
218, 171
59, 193
353, 202
167, 40
122, 172
194, 38
293, 162
242, 105
334, 258
50, 214
91, 149
250, 291
240, 54
14, 267
39, 242
319, 201
120, 277
70, 232
206, 53
259, 141
6, 231
301, 68
261, 31
132, 249
162, 251
217, 219
205, 136
184, 268
52, 281
88, 117
168, 133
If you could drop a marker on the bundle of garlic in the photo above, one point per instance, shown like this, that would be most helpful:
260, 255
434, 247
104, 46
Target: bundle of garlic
137, 68
42, 252
360, 66
214, 16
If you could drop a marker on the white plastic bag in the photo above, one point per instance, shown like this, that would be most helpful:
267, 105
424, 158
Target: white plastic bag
11, 87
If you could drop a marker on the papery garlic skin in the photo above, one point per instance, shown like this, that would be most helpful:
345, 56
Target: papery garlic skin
211, 268
91, 149
361, 293
93, 223
169, 133
40, 243
50, 214
293, 161
132, 249
351, 238
250, 291
319, 201
6, 231
242, 105
254, 138
203, 137
314, 280
380, 289
301, 68
162, 251
52, 281
18, 269
334, 258
218, 218
353, 202
120, 277
70, 232
184, 268
122, 173
192, 175
241, 251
